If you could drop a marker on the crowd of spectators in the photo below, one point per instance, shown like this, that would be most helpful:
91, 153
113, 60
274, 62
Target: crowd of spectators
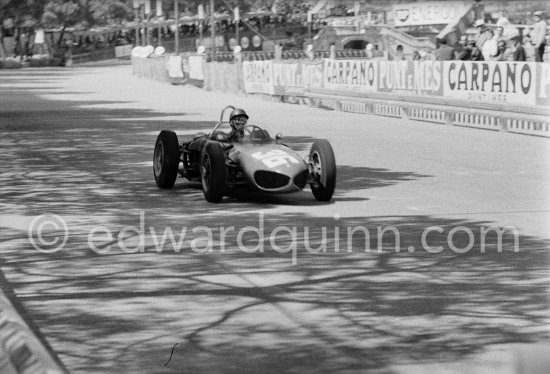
485, 41
500, 42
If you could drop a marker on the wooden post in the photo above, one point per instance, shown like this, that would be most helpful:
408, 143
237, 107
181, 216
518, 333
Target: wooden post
213, 29
177, 15
137, 25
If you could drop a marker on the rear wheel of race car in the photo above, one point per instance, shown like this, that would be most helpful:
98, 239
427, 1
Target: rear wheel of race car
323, 170
213, 172
166, 159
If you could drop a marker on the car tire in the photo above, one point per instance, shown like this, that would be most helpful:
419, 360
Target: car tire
166, 159
213, 172
323, 170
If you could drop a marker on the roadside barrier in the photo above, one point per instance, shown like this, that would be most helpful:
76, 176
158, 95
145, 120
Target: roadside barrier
428, 115
498, 96
486, 122
527, 126
389, 110
511, 122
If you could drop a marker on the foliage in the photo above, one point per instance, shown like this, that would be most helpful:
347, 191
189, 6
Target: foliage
24, 12
85, 13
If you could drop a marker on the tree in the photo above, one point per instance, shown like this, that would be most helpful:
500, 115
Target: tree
22, 11
84, 13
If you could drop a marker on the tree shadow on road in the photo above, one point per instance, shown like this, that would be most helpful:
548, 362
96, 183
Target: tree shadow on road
352, 309
231, 311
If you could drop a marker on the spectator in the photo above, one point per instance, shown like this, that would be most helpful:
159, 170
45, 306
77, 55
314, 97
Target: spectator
501, 51
332, 50
444, 52
538, 35
462, 51
518, 50
499, 31
480, 36
489, 49
370, 53
309, 52
508, 54
416, 55
399, 54
476, 54
529, 48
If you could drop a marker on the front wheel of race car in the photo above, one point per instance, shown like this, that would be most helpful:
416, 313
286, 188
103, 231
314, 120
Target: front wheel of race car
166, 159
323, 170
213, 172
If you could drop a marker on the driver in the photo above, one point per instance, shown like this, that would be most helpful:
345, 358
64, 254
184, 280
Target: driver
237, 120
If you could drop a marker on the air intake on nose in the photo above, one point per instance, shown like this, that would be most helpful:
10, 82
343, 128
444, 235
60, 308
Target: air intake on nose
270, 180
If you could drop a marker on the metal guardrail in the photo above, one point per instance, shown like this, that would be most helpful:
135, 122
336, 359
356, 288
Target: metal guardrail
486, 119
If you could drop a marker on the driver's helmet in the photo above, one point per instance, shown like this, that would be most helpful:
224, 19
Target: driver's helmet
238, 118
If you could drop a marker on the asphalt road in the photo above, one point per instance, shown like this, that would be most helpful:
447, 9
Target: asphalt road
78, 143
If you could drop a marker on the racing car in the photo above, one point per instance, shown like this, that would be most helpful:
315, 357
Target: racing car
255, 161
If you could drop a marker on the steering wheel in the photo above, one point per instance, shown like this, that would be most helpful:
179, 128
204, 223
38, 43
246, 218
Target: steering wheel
249, 129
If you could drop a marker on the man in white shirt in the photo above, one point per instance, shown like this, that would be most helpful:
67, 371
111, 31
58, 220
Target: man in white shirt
538, 35
489, 50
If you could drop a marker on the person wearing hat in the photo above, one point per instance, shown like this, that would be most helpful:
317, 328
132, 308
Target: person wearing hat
237, 120
538, 35
481, 36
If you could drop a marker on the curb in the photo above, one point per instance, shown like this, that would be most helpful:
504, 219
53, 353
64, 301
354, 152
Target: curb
21, 352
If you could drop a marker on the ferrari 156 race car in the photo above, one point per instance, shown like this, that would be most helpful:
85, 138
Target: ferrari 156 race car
256, 161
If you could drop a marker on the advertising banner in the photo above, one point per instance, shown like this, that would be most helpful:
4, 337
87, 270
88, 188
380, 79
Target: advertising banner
519, 83
174, 65
410, 77
282, 78
312, 74
196, 70
123, 50
350, 75
287, 78
258, 77
491, 81
428, 12
543, 82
